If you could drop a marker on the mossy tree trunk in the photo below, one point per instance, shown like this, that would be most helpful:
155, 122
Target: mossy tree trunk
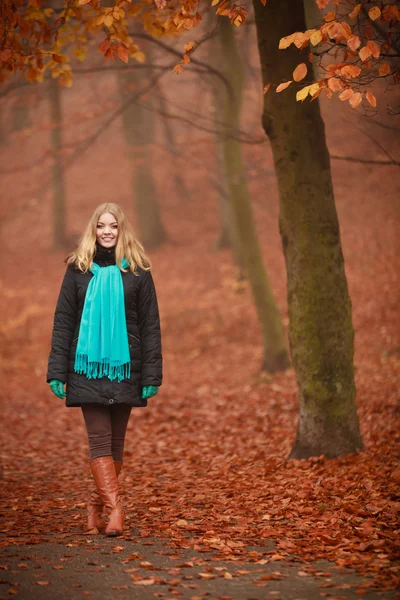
58, 175
228, 236
275, 353
139, 131
320, 324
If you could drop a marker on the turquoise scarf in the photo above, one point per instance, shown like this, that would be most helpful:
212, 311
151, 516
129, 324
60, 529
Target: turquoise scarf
103, 348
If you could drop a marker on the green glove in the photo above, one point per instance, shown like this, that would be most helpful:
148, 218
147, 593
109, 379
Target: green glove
57, 387
148, 391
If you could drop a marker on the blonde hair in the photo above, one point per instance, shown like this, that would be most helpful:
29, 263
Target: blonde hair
128, 245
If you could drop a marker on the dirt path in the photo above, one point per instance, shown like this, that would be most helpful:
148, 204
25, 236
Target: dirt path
127, 567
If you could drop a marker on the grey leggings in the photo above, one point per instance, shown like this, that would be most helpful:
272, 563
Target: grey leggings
106, 428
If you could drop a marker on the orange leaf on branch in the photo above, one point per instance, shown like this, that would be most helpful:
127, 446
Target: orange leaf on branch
374, 13
189, 46
103, 46
316, 37
303, 93
384, 70
355, 100
329, 16
354, 42
364, 53
335, 84
122, 52
374, 48
346, 94
371, 99
285, 42
350, 70
283, 86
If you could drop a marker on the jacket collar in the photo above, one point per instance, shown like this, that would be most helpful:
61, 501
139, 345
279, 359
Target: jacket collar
104, 257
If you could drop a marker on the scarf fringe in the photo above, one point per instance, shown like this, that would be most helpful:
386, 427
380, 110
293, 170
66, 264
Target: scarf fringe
104, 368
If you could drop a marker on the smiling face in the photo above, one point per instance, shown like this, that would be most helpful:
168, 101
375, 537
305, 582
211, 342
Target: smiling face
107, 230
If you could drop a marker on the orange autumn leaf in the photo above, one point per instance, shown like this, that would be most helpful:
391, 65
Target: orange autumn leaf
374, 48
329, 16
365, 53
351, 70
303, 93
384, 69
283, 86
371, 99
286, 41
316, 37
122, 53
266, 88
346, 94
354, 42
300, 72
177, 69
355, 100
374, 13
335, 84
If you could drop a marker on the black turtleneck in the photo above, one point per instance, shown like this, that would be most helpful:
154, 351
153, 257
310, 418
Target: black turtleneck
104, 256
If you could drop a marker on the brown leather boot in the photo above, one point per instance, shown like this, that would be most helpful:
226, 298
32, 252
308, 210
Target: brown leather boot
106, 481
95, 506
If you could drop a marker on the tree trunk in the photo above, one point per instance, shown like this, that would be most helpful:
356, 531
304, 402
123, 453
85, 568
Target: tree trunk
227, 236
138, 124
320, 325
20, 112
59, 193
275, 353
180, 184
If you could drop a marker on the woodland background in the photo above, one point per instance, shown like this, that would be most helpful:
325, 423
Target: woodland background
207, 460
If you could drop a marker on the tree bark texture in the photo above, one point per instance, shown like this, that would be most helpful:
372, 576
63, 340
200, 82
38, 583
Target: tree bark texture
138, 124
275, 353
320, 323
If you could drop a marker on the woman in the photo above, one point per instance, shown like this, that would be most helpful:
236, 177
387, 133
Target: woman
106, 347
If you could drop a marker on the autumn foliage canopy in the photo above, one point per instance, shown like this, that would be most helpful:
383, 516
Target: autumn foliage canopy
355, 44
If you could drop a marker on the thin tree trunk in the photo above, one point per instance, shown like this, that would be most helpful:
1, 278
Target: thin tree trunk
227, 234
320, 324
226, 237
275, 353
59, 192
20, 112
138, 124
180, 184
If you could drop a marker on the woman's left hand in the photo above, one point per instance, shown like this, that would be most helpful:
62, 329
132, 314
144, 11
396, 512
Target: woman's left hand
148, 391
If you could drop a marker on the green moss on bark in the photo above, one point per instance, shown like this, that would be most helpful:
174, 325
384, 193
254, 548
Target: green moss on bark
320, 326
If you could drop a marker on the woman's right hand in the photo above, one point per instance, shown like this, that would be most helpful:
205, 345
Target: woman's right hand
57, 387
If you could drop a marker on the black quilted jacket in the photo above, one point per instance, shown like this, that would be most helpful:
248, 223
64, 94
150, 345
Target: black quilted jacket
143, 325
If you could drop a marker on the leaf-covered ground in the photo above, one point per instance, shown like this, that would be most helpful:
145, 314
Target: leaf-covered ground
206, 462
